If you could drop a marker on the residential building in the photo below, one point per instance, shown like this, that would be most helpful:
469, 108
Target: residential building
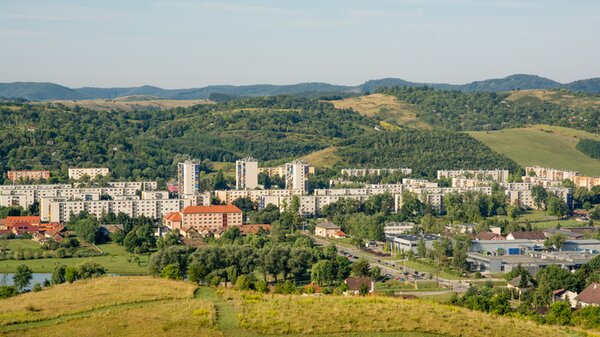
527, 235
520, 194
29, 219
328, 229
188, 177
565, 295
585, 181
210, 218
362, 172
590, 295
246, 174
486, 175
397, 228
296, 176
356, 283
434, 196
280, 170
229, 196
254, 229
77, 173
549, 173
15, 176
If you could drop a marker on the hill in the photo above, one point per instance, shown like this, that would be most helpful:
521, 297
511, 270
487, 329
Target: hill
50, 91
129, 103
389, 111
143, 306
543, 145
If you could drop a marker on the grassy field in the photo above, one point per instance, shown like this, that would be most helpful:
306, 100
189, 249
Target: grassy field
143, 306
116, 262
543, 145
323, 158
131, 103
557, 97
13, 245
539, 219
391, 112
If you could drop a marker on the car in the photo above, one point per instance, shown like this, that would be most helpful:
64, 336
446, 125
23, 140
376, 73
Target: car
355, 257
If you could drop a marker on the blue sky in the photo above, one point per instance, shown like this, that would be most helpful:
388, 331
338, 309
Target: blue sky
184, 43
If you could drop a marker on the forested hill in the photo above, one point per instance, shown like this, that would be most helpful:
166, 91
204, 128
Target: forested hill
148, 144
51, 91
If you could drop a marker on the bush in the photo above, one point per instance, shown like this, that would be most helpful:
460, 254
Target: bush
36, 287
171, 272
8, 291
71, 274
261, 286
243, 282
90, 269
560, 313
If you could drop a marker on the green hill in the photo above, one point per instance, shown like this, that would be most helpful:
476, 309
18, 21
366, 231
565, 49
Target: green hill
144, 306
549, 146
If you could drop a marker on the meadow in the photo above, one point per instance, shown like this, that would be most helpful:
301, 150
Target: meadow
118, 261
144, 306
543, 145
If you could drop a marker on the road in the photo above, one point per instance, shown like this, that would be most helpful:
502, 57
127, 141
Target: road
391, 267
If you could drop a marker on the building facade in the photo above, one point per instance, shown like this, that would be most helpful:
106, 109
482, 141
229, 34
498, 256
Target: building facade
246, 174
296, 176
77, 173
15, 176
188, 177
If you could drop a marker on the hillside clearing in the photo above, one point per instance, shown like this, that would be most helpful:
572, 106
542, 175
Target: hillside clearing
323, 158
557, 97
548, 146
129, 103
389, 111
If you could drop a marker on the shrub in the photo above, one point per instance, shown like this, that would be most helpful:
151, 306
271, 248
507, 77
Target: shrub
8, 291
261, 286
243, 283
171, 272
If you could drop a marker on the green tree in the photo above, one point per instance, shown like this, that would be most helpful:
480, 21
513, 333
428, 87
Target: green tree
559, 313
71, 274
87, 229
171, 272
539, 195
361, 268
22, 277
58, 274
556, 241
557, 207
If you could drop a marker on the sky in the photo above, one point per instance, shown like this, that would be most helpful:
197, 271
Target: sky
185, 43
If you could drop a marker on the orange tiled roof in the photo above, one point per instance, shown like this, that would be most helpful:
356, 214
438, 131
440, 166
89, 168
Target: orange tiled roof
211, 209
254, 228
33, 219
173, 216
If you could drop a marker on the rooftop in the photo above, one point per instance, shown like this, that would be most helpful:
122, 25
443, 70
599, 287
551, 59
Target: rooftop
211, 209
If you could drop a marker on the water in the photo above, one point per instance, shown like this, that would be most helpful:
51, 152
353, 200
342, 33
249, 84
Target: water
7, 279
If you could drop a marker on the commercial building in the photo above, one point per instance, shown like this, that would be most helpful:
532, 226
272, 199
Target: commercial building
409, 242
296, 175
77, 173
246, 174
397, 228
188, 177
16, 176
532, 261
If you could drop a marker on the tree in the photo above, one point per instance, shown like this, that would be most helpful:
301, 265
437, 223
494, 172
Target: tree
513, 212
421, 248
90, 269
557, 207
361, 268
322, 272
171, 272
364, 290
559, 313
22, 277
171, 238
58, 274
556, 241
87, 229
71, 274
539, 195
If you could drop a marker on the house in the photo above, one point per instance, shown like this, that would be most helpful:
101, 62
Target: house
527, 235
254, 229
488, 236
516, 284
565, 295
327, 229
22, 227
569, 235
172, 220
355, 283
590, 295
217, 233
30, 219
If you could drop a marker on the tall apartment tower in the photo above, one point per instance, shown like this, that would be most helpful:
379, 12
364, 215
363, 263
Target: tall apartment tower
188, 177
246, 174
296, 175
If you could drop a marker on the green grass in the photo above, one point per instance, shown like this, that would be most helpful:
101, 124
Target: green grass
542, 145
18, 244
428, 268
541, 220
115, 263
398, 286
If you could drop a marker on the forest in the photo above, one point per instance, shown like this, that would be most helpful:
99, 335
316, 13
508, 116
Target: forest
589, 147
470, 111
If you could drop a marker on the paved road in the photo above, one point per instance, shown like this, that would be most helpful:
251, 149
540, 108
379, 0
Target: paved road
393, 268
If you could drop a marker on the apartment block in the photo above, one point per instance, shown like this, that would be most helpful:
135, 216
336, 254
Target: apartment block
205, 217
520, 194
296, 175
362, 172
280, 170
188, 177
246, 174
77, 173
15, 176
435, 196
229, 196
60, 210
489, 175
585, 181
550, 173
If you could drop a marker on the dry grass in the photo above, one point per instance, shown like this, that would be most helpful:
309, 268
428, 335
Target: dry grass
390, 111
272, 314
323, 158
173, 318
128, 104
87, 295
557, 97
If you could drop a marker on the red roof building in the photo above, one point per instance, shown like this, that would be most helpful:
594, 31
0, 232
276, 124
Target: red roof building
30, 219
205, 217
254, 229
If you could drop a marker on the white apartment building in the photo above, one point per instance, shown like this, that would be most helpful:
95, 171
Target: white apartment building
60, 209
77, 173
421, 183
362, 172
246, 174
520, 194
489, 175
435, 196
228, 196
188, 177
296, 176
